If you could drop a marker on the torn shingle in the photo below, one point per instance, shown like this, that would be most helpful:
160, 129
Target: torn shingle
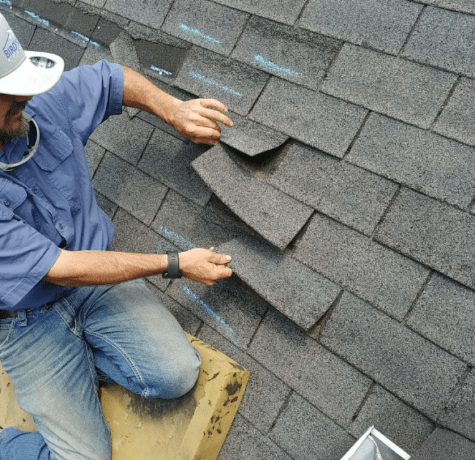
392, 86
151, 12
444, 39
371, 271
347, 193
133, 190
274, 215
313, 118
439, 167
205, 23
292, 288
380, 24
250, 137
210, 75
434, 233
416, 370
445, 314
289, 53
444, 444
168, 159
325, 380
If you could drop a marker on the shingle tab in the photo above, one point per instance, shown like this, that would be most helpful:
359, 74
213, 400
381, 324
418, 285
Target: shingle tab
286, 12
313, 118
347, 193
434, 233
457, 120
210, 75
405, 426
305, 433
439, 167
389, 85
205, 23
106, 32
326, 381
292, 288
133, 190
168, 159
289, 53
380, 24
444, 39
149, 12
368, 269
273, 214
445, 444
466, 6
419, 372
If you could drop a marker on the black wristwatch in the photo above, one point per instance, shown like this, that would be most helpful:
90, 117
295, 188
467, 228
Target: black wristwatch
173, 270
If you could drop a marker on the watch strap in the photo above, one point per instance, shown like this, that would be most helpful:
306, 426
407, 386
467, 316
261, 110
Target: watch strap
173, 270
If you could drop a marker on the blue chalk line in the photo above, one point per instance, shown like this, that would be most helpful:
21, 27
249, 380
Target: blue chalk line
160, 71
6, 2
210, 81
88, 40
177, 238
199, 33
37, 18
274, 66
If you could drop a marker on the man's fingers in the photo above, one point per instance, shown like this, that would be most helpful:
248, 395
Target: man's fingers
213, 103
219, 259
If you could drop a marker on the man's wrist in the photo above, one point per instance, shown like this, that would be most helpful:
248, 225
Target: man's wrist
173, 266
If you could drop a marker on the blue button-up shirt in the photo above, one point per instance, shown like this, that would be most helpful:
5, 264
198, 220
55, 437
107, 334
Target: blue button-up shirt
48, 203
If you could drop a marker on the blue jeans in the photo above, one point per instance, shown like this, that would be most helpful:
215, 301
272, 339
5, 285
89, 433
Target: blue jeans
56, 354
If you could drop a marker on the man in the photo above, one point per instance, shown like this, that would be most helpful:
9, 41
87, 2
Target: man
72, 313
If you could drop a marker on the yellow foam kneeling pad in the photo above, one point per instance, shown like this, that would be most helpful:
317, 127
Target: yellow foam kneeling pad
192, 427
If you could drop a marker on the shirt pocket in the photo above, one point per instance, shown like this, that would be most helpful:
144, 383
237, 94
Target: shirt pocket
11, 196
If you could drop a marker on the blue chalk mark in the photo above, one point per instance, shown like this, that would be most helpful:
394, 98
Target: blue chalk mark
207, 309
177, 238
201, 34
209, 81
37, 18
6, 2
274, 66
88, 40
160, 71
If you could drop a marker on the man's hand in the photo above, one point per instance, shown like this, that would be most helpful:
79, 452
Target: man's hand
197, 121
204, 265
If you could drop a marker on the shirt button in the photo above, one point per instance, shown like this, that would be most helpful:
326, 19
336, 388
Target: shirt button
35, 191
6, 203
61, 226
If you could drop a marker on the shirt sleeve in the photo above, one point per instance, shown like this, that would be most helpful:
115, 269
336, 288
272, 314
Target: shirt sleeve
26, 256
90, 94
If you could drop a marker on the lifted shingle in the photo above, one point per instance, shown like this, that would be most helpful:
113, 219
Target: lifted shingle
273, 214
290, 53
380, 24
368, 269
395, 87
313, 118
434, 233
439, 167
419, 372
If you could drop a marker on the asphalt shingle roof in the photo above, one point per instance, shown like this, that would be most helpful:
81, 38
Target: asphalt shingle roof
345, 194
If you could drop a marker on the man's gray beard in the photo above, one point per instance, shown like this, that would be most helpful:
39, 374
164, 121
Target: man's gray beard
8, 134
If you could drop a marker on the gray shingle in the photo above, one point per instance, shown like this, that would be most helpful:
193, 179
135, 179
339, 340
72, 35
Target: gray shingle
326, 381
434, 233
210, 75
205, 23
457, 120
106, 32
94, 154
168, 159
289, 53
419, 372
244, 442
292, 288
225, 306
439, 167
313, 118
133, 190
347, 193
94, 54
445, 314
458, 5
124, 52
124, 137
148, 12
286, 12
106, 205
265, 393
274, 215
444, 444
389, 85
305, 433
368, 269
406, 427
380, 24
250, 137
444, 39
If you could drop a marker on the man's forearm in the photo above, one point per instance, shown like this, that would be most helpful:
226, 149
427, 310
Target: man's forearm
85, 268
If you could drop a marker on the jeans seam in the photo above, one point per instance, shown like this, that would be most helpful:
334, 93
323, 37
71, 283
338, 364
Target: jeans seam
8, 335
129, 361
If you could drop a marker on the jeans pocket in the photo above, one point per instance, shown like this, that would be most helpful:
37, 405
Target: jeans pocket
6, 330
